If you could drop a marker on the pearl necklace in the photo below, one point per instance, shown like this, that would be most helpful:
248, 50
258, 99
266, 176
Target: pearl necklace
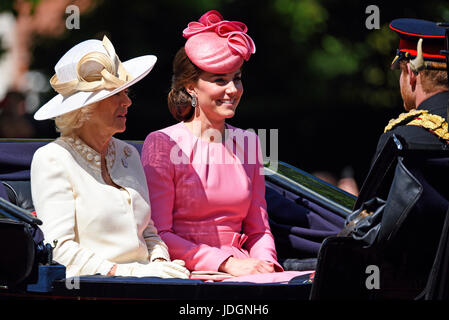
89, 154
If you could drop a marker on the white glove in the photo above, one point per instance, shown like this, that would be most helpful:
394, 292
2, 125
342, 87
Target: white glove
163, 269
180, 262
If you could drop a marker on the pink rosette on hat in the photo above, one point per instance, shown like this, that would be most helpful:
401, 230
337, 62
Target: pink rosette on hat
216, 45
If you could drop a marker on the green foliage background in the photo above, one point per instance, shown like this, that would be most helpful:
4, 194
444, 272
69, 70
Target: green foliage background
319, 75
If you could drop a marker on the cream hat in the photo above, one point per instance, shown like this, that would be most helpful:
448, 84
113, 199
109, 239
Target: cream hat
89, 72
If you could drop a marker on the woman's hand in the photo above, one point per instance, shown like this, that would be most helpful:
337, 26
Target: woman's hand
242, 267
112, 271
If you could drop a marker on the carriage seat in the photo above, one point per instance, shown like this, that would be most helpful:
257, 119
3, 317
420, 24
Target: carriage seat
297, 238
412, 180
19, 193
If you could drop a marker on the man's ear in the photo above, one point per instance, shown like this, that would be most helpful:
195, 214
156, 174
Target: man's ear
412, 77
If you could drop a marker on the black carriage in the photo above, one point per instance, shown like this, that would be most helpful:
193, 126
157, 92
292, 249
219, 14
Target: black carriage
403, 242
303, 210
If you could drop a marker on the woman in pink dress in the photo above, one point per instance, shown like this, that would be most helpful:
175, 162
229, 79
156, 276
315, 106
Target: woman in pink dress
205, 177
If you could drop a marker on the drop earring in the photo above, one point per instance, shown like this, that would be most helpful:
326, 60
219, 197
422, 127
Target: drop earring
194, 101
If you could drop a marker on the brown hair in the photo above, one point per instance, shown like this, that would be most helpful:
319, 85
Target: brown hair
431, 80
184, 72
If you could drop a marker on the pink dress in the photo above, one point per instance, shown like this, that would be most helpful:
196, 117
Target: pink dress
208, 199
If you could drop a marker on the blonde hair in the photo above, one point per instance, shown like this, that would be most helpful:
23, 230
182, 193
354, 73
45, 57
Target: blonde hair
67, 123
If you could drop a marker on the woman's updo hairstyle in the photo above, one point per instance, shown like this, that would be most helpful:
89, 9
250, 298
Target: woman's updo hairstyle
184, 72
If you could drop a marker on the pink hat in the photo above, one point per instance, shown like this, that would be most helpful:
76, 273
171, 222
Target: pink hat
216, 45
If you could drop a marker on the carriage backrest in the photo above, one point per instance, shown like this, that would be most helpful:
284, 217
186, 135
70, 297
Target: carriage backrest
15, 162
413, 183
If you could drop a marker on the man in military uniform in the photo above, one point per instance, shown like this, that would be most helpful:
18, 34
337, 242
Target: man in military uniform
423, 84
417, 197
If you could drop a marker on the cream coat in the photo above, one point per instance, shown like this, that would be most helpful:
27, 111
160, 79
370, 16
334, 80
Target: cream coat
95, 225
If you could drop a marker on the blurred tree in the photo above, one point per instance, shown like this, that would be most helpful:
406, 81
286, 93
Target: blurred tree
344, 88
5, 6
36, 17
319, 75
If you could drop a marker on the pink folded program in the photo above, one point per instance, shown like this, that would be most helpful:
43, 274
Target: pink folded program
216, 45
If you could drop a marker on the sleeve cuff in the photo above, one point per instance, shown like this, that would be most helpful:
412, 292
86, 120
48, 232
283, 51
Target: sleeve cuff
105, 267
159, 252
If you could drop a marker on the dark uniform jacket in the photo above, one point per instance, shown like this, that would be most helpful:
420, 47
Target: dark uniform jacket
436, 105
417, 199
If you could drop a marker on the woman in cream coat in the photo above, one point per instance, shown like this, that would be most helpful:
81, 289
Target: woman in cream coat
89, 188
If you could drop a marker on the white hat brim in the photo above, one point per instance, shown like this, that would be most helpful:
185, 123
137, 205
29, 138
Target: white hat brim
138, 68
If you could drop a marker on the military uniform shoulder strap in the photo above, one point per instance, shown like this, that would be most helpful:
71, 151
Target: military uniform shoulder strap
422, 118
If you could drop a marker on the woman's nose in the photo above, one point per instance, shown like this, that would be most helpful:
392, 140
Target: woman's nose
126, 100
231, 88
